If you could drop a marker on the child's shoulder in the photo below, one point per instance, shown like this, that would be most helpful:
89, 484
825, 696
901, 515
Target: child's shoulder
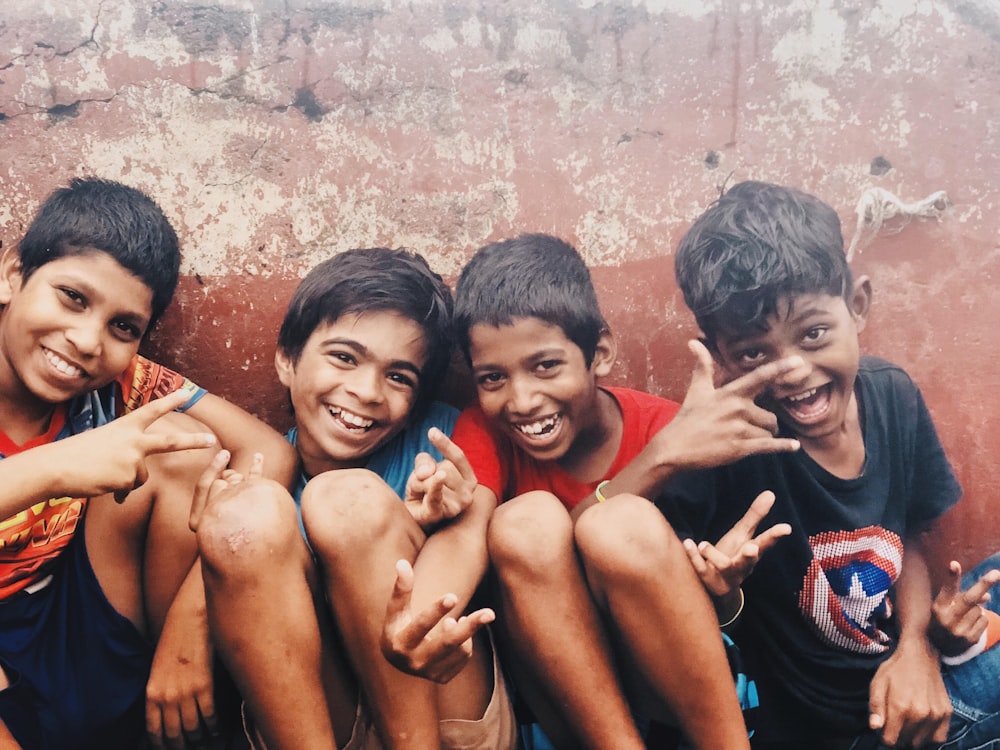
881, 368
883, 380
643, 411
631, 397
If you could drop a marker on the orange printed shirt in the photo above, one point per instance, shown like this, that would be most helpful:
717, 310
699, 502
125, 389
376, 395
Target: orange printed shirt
32, 540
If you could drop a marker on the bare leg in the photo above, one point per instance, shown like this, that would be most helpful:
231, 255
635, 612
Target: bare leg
359, 529
553, 629
641, 576
269, 620
142, 550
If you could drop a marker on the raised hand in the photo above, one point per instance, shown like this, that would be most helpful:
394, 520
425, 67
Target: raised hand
217, 478
180, 702
717, 426
957, 617
432, 644
439, 491
724, 566
112, 458
908, 703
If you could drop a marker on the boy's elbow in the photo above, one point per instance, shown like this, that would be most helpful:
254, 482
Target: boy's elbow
281, 461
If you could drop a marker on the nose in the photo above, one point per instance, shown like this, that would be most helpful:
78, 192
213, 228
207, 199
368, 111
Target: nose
795, 378
523, 396
365, 384
87, 336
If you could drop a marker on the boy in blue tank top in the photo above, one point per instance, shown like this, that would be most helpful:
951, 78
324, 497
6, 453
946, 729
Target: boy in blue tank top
298, 585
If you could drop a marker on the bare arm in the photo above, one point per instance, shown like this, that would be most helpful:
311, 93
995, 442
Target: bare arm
243, 435
723, 566
908, 701
109, 459
958, 620
436, 641
715, 426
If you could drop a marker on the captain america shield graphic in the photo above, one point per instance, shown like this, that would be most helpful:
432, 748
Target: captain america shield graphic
845, 593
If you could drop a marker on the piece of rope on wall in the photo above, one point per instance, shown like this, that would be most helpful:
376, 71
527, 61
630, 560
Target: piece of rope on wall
877, 206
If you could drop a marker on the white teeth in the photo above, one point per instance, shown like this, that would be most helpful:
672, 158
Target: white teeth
351, 419
803, 396
537, 428
62, 365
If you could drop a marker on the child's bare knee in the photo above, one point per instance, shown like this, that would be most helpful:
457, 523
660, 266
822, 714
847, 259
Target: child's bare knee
529, 530
245, 527
344, 509
627, 534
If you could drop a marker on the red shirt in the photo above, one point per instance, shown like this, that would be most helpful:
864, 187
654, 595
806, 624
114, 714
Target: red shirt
509, 472
30, 541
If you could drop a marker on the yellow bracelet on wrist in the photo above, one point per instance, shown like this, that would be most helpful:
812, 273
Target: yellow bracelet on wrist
598, 493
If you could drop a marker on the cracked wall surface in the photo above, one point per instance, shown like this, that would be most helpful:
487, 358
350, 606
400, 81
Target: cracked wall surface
276, 133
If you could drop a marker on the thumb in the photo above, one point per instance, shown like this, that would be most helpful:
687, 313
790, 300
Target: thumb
424, 466
703, 375
399, 600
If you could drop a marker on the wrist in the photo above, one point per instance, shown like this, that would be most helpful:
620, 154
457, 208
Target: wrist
731, 607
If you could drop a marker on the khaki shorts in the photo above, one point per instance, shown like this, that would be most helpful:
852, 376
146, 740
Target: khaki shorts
497, 730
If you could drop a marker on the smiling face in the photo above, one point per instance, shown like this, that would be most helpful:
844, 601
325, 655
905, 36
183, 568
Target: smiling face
535, 386
72, 326
822, 329
353, 387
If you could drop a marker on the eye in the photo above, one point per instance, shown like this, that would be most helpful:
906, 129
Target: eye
815, 334
403, 379
750, 358
344, 358
126, 331
489, 381
72, 298
547, 366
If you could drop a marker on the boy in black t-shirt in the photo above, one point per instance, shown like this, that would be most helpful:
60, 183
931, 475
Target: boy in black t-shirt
836, 619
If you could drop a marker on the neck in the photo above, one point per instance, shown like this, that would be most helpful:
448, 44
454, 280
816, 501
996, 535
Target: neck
22, 415
594, 450
842, 453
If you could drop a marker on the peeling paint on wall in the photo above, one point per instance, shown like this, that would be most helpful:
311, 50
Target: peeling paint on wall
277, 133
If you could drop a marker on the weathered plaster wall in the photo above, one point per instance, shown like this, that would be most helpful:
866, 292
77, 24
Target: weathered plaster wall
275, 133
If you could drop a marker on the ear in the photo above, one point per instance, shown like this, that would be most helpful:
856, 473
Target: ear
861, 301
285, 368
604, 354
10, 275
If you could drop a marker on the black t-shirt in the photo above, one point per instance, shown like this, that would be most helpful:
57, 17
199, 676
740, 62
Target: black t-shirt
819, 617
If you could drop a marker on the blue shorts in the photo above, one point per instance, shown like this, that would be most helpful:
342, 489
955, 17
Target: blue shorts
77, 668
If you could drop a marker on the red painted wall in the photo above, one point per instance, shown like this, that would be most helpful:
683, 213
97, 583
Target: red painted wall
275, 134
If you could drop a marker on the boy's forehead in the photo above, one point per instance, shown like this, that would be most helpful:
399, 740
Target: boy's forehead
381, 330
516, 336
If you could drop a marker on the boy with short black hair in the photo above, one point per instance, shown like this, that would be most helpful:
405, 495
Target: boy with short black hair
602, 604
835, 624
87, 584
364, 344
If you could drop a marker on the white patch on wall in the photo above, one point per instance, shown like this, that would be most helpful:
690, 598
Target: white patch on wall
440, 41
533, 40
819, 48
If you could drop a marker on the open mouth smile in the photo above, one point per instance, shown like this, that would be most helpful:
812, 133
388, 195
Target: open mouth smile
62, 366
539, 429
349, 420
809, 406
